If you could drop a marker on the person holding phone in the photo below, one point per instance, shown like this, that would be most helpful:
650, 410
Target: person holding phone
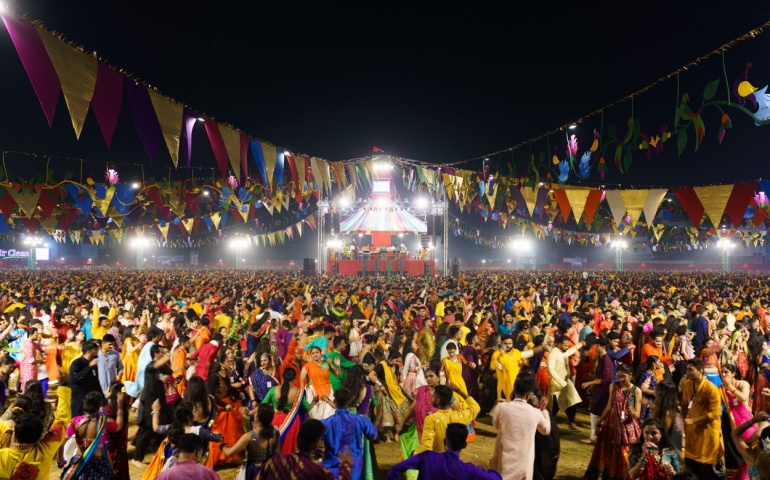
654, 456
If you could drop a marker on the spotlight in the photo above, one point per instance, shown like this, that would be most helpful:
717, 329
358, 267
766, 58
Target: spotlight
206, 193
136, 185
421, 202
344, 202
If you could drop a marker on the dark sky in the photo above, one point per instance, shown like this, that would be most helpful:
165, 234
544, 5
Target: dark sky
432, 81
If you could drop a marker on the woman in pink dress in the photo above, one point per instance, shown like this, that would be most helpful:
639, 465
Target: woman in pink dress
28, 362
736, 394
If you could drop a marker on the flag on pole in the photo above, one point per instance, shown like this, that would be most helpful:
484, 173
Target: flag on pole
377, 149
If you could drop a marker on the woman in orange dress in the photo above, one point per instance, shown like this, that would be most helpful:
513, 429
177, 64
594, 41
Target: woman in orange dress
130, 354
316, 371
229, 419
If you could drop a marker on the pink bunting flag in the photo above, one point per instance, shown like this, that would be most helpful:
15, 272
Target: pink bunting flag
36, 62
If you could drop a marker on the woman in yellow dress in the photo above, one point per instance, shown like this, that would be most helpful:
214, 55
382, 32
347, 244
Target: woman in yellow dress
72, 349
130, 354
453, 369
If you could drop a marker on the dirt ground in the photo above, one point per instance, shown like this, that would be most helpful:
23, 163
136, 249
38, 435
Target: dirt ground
572, 462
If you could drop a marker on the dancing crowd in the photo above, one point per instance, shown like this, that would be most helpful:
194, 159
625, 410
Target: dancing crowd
292, 377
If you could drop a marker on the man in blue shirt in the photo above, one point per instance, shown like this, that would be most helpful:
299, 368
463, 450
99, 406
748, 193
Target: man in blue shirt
346, 429
507, 327
445, 465
109, 363
701, 328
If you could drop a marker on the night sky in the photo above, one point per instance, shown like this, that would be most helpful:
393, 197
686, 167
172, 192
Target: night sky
436, 82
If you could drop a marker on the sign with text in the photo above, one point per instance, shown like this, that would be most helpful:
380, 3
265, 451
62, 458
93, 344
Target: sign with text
11, 254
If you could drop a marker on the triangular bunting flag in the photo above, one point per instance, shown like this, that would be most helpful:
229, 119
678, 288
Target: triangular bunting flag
577, 199
107, 100
232, 141
188, 224
691, 203
215, 218
26, 199
634, 203
217, 145
530, 198
714, 199
164, 230
77, 74
269, 153
739, 201
652, 204
617, 207
564, 204
592, 203
170, 118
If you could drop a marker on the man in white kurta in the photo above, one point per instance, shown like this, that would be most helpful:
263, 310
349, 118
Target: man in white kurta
516, 423
561, 390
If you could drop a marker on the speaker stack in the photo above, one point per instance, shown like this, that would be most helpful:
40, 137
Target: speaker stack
308, 267
454, 267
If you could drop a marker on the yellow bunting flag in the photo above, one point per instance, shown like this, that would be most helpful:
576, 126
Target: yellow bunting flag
634, 200
448, 184
317, 176
530, 198
26, 199
49, 224
102, 204
169, 115
269, 152
301, 163
244, 211
164, 230
354, 180
188, 224
658, 230
577, 199
232, 141
77, 74
714, 200
215, 218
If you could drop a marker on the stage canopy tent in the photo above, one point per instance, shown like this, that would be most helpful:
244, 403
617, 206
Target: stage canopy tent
386, 216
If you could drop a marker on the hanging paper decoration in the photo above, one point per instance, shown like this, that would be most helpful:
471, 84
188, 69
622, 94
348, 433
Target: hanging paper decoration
112, 176
37, 63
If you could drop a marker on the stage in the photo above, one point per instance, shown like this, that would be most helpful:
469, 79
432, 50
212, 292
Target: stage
391, 263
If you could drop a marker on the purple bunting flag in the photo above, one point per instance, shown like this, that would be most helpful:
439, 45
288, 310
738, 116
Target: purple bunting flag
145, 119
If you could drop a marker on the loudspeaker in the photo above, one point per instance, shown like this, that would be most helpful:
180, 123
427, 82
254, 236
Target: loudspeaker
438, 225
327, 223
454, 267
309, 264
430, 222
336, 223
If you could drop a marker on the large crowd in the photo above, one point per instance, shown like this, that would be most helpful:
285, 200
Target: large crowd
302, 378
